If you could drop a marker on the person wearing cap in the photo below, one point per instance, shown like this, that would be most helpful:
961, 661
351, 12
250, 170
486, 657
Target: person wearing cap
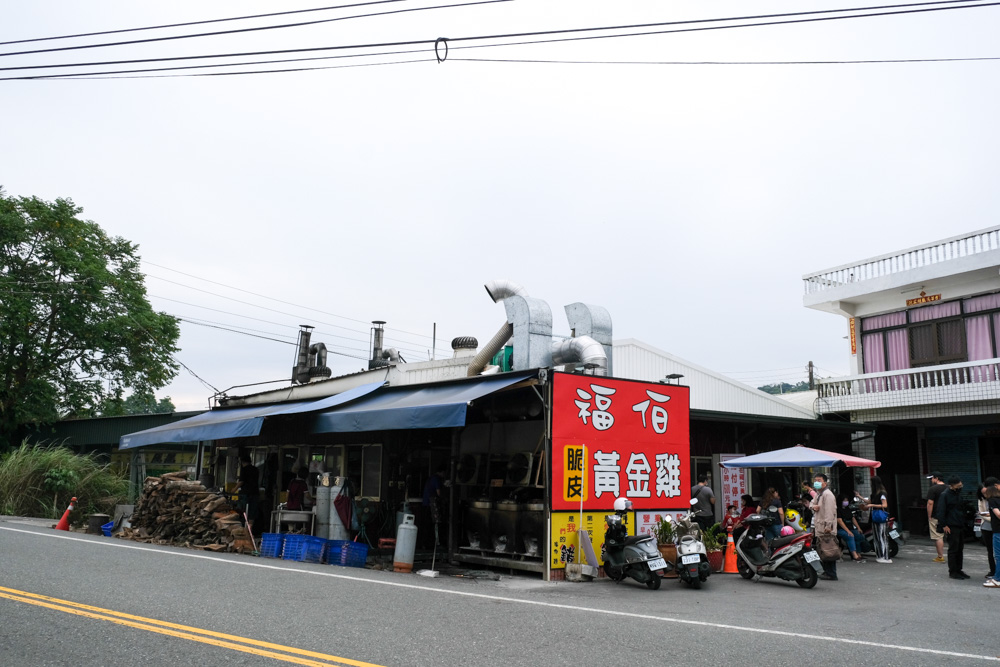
933, 494
952, 520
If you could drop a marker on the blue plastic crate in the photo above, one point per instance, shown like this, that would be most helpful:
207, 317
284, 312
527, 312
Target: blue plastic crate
304, 548
354, 554
292, 549
271, 545
333, 551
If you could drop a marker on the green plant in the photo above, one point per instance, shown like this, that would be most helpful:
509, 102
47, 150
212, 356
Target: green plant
663, 531
714, 538
39, 480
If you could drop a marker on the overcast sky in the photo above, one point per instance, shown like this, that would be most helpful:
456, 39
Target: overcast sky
688, 199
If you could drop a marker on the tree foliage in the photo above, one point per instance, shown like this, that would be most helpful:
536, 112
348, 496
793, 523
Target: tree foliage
785, 388
77, 330
138, 403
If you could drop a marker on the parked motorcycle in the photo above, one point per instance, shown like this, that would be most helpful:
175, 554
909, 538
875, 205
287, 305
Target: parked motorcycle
790, 557
627, 555
692, 556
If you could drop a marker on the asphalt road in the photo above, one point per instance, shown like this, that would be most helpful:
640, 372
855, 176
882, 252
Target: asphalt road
112, 602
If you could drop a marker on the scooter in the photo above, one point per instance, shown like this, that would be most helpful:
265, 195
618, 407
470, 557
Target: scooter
791, 557
627, 555
692, 556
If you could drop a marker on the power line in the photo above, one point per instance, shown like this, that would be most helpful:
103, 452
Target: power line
270, 298
720, 62
204, 22
215, 326
812, 14
254, 29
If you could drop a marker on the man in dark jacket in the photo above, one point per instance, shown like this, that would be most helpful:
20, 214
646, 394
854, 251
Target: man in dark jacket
952, 518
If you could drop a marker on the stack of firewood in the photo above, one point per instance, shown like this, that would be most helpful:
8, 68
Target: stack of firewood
174, 510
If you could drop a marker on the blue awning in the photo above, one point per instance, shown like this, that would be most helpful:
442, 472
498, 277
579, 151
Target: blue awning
434, 406
234, 422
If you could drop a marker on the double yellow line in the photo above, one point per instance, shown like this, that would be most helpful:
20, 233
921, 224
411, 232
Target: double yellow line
245, 645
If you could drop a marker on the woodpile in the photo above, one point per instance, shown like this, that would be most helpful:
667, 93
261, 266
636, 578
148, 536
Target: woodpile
174, 510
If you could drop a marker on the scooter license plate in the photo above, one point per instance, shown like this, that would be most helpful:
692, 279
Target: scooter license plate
657, 564
811, 556
894, 534
692, 558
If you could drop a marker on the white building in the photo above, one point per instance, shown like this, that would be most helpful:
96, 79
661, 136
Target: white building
923, 329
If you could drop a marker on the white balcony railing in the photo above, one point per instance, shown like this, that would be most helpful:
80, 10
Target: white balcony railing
948, 383
966, 245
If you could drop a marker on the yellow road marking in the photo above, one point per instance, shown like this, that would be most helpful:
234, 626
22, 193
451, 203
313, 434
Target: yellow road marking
181, 631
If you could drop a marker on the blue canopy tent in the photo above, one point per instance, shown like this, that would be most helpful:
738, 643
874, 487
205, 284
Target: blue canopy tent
235, 422
425, 406
799, 457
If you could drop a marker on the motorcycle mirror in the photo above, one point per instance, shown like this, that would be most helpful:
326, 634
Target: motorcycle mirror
694, 501
668, 519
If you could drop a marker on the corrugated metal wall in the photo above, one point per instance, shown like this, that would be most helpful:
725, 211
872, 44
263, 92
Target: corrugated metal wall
709, 390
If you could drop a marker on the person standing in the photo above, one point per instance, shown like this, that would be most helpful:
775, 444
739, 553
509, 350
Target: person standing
993, 504
933, 494
824, 508
704, 512
248, 489
952, 519
987, 526
878, 504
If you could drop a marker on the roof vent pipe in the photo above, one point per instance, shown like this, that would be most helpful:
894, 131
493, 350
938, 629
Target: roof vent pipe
300, 371
498, 291
377, 332
318, 369
582, 349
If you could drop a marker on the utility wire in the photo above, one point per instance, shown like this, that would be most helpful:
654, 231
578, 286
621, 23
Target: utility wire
214, 326
270, 298
204, 22
254, 29
812, 14
719, 62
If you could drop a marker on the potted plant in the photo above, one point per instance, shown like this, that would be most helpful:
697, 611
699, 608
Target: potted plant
714, 540
664, 530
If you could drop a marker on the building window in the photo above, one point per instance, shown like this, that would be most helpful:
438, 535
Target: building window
937, 343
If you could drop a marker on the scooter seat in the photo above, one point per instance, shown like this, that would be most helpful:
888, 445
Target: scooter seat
779, 542
635, 539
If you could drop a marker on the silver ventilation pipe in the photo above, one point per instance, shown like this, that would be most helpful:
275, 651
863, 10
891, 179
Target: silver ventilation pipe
318, 369
583, 349
300, 371
498, 291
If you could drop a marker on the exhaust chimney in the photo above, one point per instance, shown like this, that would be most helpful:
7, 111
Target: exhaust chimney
377, 336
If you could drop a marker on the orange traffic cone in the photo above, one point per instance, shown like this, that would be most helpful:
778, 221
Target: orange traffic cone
64, 521
729, 567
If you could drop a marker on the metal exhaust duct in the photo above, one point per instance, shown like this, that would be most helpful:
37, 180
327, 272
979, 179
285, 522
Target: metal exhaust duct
582, 349
498, 290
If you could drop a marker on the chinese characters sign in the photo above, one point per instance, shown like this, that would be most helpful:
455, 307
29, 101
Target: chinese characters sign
734, 483
565, 547
619, 438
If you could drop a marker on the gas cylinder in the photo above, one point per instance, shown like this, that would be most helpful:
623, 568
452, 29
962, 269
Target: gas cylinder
406, 545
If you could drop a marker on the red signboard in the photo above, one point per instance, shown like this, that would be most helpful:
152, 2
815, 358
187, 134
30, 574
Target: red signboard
619, 438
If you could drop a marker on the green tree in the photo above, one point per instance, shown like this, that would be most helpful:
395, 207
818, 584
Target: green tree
77, 330
138, 403
785, 388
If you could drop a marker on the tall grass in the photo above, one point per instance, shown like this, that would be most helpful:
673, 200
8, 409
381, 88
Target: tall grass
39, 480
